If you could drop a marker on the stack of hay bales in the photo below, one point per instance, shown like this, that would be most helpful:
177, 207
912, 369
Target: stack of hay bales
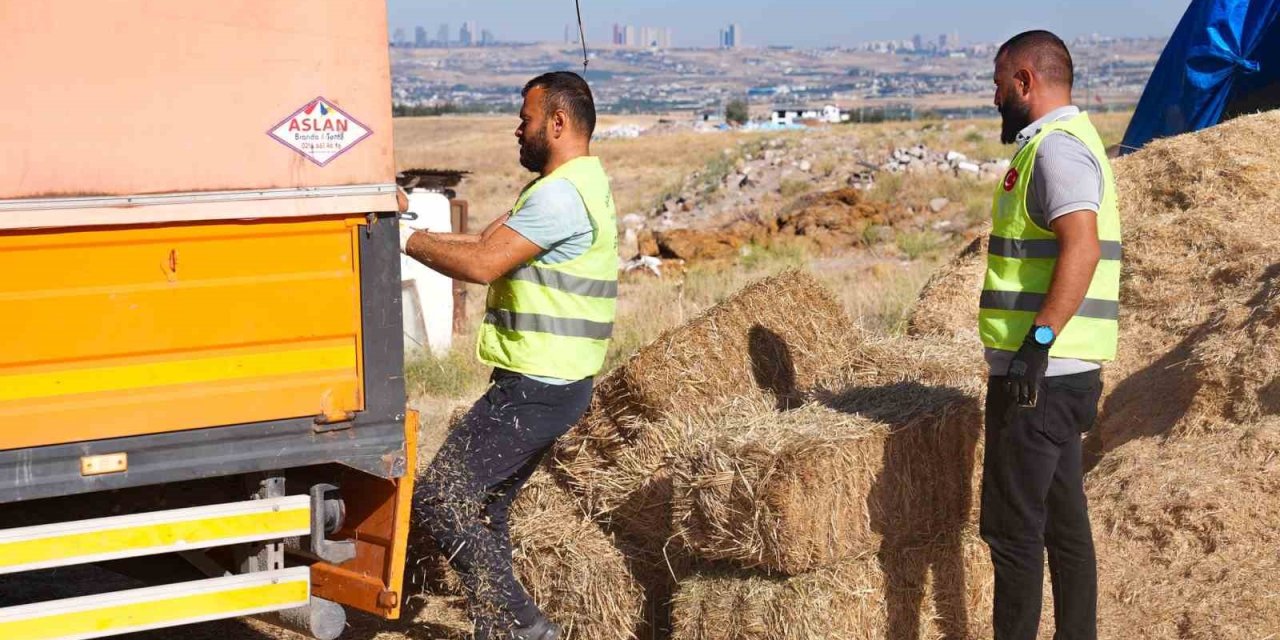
770, 441
764, 349
838, 518
1183, 493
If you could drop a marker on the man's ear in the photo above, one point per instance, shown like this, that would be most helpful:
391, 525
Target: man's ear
559, 122
1024, 79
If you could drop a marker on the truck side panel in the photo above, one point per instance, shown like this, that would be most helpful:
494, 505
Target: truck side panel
135, 97
123, 332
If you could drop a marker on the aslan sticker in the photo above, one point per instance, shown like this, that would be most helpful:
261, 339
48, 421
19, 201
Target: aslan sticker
320, 131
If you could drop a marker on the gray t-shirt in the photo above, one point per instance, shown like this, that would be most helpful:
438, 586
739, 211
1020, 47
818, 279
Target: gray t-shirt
555, 218
1066, 179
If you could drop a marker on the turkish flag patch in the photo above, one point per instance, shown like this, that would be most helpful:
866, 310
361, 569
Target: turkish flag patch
1011, 179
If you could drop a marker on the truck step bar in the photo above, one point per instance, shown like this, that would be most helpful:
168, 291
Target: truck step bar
158, 607
145, 534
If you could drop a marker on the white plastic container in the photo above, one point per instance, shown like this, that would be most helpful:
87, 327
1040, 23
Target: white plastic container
426, 294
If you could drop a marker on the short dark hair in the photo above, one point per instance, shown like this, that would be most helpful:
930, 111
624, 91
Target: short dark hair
1046, 52
567, 91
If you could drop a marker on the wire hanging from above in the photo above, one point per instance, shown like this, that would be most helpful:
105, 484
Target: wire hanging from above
582, 36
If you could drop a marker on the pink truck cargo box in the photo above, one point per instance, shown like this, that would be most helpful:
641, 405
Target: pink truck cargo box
136, 111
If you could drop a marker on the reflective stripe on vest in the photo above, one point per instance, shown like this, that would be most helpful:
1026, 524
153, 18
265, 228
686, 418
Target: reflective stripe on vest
567, 327
555, 319
1010, 248
1033, 302
1022, 256
565, 282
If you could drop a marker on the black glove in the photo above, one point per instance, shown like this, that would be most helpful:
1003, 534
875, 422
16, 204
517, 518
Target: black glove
1026, 371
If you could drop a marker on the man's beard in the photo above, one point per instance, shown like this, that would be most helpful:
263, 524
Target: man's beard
535, 152
1015, 115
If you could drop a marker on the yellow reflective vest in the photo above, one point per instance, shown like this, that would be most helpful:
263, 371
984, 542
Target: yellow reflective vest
1022, 256
555, 320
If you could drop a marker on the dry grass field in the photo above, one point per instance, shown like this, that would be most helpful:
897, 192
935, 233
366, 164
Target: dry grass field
876, 289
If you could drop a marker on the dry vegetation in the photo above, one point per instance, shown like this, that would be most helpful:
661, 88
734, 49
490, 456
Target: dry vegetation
875, 289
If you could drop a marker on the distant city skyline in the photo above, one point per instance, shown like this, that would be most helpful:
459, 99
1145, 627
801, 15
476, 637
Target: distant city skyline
800, 23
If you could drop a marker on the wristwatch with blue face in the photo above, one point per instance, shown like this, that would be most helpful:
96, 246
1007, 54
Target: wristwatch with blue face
1043, 335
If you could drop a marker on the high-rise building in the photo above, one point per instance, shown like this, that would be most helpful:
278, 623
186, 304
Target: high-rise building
631, 36
664, 38
943, 43
399, 39
467, 35
619, 37
442, 36
731, 38
917, 42
420, 37
486, 38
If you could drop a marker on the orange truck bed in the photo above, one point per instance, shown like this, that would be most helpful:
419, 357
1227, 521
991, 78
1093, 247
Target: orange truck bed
198, 236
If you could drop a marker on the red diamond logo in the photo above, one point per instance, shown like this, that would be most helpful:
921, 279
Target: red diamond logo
320, 131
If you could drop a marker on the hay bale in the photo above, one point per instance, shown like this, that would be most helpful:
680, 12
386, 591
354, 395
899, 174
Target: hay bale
575, 571
795, 492
890, 459
571, 568
942, 590
948, 303
772, 340
1187, 530
766, 345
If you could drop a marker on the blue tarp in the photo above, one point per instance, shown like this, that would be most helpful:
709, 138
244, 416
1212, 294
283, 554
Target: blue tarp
1220, 48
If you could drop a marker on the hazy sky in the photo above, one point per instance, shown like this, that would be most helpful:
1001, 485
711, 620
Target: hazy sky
796, 22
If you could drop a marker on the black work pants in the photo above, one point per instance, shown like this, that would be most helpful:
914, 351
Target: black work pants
1033, 500
469, 488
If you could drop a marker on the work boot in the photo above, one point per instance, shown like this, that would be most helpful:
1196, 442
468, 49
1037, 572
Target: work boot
541, 629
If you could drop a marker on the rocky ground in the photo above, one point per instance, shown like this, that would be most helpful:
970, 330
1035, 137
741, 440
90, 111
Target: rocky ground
820, 192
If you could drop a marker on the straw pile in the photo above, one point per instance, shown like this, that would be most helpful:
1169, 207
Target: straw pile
1200, 214
888, 461
941, 590
1187, 532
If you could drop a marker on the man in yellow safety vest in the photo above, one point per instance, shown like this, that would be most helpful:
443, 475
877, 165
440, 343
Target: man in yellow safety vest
552, 269
1049, 319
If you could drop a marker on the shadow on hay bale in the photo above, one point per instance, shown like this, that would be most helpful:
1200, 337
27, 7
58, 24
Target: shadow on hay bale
772, 367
